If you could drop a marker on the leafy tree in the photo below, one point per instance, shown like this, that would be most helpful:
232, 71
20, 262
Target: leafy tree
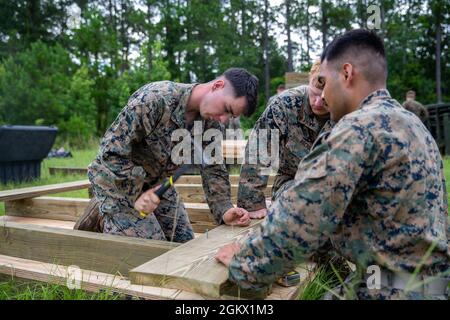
43, 86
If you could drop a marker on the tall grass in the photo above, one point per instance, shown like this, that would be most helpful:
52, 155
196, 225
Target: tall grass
20, 290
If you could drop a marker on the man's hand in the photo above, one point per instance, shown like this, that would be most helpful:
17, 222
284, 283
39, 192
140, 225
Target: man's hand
226, 253
148, 201
236, 217
258, 214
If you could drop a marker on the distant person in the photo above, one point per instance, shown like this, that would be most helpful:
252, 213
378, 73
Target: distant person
281, 88
415, 107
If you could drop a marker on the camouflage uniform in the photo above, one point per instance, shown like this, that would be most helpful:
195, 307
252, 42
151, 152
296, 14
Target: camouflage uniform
374, 186
135, 154
291, 114
234, 123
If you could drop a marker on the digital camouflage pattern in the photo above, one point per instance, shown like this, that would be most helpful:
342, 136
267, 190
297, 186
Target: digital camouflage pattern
135, 154
374, 186
291, 114
168, 222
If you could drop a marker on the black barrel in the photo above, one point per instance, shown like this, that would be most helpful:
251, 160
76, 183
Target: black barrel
22, 149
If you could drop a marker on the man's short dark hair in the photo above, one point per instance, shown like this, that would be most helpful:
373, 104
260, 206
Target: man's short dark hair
359, 46
245, 85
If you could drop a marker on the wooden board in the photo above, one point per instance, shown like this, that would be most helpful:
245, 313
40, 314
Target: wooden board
68, 225
89, 250
186, 179
92, 281
189, 192
69, 209
48, 222
194, 192
57, 208
31, 192
192, 266
197, 179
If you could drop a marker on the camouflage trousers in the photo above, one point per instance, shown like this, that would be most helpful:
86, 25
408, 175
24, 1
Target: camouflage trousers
169, 221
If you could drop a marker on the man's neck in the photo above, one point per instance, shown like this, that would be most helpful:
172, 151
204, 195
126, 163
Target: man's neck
363, 92
193, 105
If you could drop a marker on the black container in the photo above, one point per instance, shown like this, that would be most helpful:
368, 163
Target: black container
22, 149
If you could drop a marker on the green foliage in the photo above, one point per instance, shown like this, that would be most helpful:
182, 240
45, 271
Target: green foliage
34, 85
78, 77
128, 82
42, 86
81, 111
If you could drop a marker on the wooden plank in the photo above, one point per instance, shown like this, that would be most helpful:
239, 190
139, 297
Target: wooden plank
193, 193
199, 212
92, 281
69, 209
40, 222
197, 179
32, 192
202, 227
89, 250
189, 192
192, 266
67, 170
51, 223
66, 209
233, 148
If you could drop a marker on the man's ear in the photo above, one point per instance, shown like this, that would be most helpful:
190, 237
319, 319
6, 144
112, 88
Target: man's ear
218, 84
348, 72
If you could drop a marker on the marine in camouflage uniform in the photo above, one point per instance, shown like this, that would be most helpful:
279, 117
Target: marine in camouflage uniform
375, 186
135, 154
290, 113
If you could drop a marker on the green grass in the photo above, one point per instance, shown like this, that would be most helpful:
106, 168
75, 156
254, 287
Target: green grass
22, 290
81, 159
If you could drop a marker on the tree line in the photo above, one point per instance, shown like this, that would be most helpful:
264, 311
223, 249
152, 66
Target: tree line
74, 63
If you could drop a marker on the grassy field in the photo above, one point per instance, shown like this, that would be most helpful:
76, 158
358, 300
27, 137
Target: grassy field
19, 290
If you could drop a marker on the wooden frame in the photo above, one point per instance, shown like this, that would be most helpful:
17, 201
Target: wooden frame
37, 231
88, 250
